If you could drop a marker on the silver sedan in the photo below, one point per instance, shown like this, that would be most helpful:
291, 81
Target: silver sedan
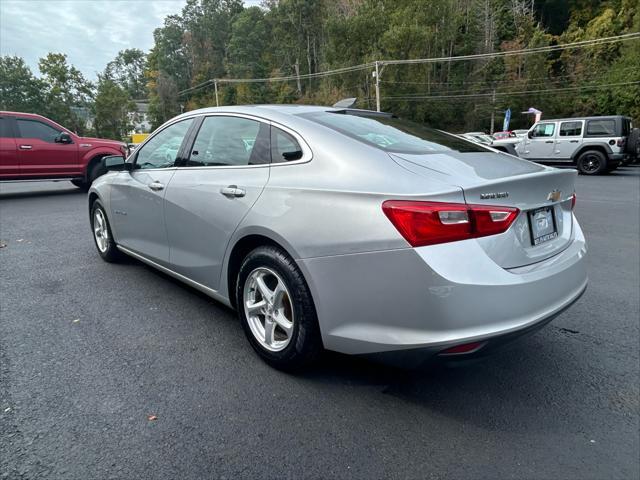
347, 230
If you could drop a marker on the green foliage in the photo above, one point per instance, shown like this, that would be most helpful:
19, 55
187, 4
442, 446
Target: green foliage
20, 90
113, 109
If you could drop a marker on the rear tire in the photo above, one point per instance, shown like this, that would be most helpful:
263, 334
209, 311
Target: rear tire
287, 310
102, 235
592, 162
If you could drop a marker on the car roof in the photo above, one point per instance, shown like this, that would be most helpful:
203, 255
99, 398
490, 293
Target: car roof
603, 117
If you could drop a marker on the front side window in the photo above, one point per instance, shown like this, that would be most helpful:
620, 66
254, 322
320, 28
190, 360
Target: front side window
231, 142
393, 134
570, 129
605, 128
544, 130
37, 129
161, 151
284, 148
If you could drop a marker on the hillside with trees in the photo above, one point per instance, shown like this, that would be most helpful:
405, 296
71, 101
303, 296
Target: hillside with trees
221, 39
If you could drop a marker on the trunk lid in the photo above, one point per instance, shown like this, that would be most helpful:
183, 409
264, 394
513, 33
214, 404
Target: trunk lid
502, 180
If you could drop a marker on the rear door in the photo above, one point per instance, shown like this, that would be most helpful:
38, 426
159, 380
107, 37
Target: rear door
569, 139
540, 144
39, 154
8, 155
224, 173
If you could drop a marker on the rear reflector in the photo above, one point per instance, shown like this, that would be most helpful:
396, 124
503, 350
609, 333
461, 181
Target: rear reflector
464, 348
429, 223
573, 201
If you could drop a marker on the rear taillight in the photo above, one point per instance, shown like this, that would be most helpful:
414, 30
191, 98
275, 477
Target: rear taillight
621, 142
429, 223
573, 201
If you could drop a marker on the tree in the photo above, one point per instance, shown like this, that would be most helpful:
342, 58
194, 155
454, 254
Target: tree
127, 70
113, 109
67, 89
20, 90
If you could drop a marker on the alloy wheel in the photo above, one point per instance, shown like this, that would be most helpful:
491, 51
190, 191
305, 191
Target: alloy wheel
268, 309
100, 230
591, 164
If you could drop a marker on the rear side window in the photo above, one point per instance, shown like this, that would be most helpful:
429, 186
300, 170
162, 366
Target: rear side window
393, 134
284, 148
231, 142
605, 128
570, 129
5, 128
37, 129
544, 130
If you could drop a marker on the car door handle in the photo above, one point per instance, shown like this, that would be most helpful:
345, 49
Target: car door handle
156, 186
233, 191
26, 147
573, 141
548, 141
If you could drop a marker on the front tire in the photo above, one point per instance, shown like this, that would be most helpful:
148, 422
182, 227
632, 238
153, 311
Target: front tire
102, 235
276, 309
592, 162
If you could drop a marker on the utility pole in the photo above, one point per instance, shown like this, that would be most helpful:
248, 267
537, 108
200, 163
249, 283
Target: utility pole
377, 75
215, 86
493, 110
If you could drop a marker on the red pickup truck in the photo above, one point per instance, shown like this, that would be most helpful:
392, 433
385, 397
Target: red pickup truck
33, 147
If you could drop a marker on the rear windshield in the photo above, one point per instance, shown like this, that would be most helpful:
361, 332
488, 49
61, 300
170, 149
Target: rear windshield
393, 134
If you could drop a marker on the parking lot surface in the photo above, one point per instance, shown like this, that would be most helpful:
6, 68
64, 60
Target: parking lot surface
118, 371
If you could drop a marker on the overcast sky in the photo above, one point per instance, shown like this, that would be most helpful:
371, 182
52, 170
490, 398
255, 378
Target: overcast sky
90, 32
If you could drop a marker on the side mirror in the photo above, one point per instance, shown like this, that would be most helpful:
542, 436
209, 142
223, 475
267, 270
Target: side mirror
116, 163
530, 134
63, 137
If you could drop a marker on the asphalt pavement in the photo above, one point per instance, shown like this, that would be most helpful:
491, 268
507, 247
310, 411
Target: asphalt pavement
118, 371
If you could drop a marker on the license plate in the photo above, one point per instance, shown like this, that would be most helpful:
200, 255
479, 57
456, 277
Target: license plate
543, 225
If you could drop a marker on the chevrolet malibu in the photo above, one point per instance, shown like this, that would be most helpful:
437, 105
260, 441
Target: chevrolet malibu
347, 230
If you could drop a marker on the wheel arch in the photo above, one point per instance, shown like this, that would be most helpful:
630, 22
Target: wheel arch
92, 157
604, 149
244, 244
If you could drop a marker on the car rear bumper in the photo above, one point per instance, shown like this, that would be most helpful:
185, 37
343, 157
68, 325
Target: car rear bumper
430, 298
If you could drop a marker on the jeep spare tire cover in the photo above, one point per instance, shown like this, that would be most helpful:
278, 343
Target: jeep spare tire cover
632, 141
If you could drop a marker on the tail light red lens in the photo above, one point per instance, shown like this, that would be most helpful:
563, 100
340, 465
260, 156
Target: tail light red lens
429, 223
462, 349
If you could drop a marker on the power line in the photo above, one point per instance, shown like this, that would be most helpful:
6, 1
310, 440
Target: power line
524, 51
523, 92
382, 63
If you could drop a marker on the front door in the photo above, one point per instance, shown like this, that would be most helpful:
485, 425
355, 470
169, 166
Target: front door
137, 209
540, 142
225, 173
569, 139
40, 156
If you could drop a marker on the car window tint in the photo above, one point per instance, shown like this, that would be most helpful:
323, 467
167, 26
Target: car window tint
570, 129
284, 147
606, 128
162, 149
5, 130
36, 129
230, 141
544, 130
392, 134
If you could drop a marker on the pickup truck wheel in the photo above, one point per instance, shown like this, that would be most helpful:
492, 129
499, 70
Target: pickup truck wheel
592, 162
102, 235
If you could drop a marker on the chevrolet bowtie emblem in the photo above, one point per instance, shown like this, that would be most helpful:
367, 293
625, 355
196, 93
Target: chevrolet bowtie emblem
554, 196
